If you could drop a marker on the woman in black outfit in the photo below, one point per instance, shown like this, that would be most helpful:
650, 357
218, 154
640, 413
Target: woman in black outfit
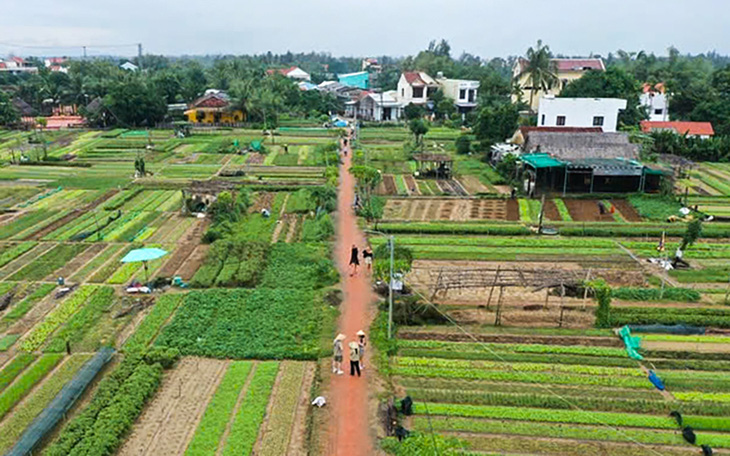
354, 260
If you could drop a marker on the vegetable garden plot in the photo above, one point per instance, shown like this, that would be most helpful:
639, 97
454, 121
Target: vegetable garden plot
260, 323
49, 262
12, 427
169, 421
491, 392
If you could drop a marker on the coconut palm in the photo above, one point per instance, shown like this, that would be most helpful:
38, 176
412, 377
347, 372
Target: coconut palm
541, 69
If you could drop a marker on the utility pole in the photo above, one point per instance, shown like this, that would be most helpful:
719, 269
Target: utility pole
84, 52
139, 55
390, 291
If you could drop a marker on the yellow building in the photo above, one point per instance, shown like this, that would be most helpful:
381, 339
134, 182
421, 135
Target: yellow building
567, 70
214, 108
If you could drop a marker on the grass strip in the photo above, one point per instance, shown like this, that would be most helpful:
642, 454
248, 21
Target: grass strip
57, 317
21, 308
283, 409
20, 388
14, 368
151, 325
571, 416
579, 432
82, 321
213, 424
245, 427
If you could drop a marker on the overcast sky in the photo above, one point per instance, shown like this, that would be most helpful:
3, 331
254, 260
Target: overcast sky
487, 28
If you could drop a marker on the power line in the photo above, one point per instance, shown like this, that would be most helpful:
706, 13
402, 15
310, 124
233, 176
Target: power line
541, 385
36, 46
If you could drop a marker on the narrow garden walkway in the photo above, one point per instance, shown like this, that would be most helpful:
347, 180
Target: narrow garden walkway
350, 428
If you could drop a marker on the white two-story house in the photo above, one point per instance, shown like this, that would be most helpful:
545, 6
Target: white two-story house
415, 87
462, 91
655, 102
580, 112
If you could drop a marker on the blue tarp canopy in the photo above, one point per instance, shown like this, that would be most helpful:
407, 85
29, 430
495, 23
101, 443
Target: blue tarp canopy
340, 124
148, 254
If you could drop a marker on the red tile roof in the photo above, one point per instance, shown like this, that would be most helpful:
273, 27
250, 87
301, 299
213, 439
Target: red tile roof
681, 127
579, 64
413, 77
658, 87
282, 71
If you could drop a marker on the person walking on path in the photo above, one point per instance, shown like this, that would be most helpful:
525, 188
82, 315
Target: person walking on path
354, 260
361, 345
354, 358
337, 355
367, 256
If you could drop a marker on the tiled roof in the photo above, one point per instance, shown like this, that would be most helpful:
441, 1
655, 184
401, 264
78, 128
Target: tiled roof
579, 64
681, 127
658, 87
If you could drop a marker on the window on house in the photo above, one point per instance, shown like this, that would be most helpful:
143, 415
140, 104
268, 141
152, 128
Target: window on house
418, 92
598, 121
472, 95
542, 120
403, 92
462, 94
560, 121
431, 90
658, 112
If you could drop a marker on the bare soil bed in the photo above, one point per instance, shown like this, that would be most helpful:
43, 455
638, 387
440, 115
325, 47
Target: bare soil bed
255, 158
586, 211
627, 210
193, 262
78, 262
411, 185
262, 201
168, 423
389, 185
551, 211
472, 185
190, 243
488, 209
512, 338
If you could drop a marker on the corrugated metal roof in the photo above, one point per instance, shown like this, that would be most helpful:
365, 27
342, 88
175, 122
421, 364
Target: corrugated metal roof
541, 161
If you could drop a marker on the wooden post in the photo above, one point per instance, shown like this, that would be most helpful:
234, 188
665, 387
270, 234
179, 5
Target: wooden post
542, 212
491, 290
547, 296
585, 289
498, 316
562, 303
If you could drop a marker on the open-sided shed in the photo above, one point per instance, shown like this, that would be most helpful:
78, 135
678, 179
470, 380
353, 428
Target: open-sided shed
434, 165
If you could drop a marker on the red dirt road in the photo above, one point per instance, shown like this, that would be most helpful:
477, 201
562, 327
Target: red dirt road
349, 428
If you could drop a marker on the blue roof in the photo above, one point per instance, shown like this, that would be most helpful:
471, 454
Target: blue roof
143, 255
360, 79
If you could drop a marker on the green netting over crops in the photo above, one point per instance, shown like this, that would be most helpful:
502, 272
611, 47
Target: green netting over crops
133, 133
64, 400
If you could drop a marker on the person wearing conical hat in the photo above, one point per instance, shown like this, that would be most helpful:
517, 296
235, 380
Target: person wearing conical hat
337, 350
354, 358
361, 343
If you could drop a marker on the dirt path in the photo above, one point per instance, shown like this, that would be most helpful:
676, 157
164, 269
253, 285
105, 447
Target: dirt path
169, 422
349, 432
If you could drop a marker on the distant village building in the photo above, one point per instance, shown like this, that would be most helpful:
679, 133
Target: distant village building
567, 70
214, 107
580, 112
462, 91
361, 79
701, 130
16, 65
416, 87
655, 102
129, 66
581, 160
293, 72
378, 107
56, 64
371, 64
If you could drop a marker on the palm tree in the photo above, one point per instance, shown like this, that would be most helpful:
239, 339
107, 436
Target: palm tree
541, 69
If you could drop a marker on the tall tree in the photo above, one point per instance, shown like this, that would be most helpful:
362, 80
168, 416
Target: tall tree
8, 113
540, 68
612, 83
